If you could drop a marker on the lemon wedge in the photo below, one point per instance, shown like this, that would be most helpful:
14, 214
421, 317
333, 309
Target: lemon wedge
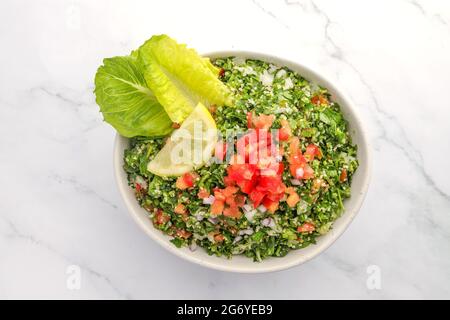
188, 147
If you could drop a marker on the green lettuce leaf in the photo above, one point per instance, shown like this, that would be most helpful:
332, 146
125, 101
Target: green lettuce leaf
126, 101
180, 78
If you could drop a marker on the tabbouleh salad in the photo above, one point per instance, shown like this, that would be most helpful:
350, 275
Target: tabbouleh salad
230, 208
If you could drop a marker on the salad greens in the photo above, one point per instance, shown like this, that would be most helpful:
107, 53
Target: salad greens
142, 94
180, 78
126, 101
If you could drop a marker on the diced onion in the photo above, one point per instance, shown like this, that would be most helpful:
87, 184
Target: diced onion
288, 84
262, 209
266, 78
250, 214
281, 73
199, 216
268, 222
209, 200
296, 182
193, 246
239, 61
237, 239
213, 220
299, 173
248, 231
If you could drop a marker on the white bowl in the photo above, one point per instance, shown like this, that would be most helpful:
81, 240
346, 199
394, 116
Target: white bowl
360, 183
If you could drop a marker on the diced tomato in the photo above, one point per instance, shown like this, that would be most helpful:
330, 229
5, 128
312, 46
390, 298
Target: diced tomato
232, 211
189, 179
263, 121
180, 209
297, 158
274, 196
343, 175
311, 151
319, 100
229, 191
295, 154
254, 169
249, 120
230, 201
138, 187
229, 181
181, 184
284, 134
220, 150
181, 233
271, 184
246, 185
239, 199
256, 197
301, 171
217, 207
290, 190
219, 237
297, 170
285, 131
315, 100
280, 168
306, 227
293, 199
229, 194
308, 172
219, 196
185, 181
241, 172
294, 145
270, 205
203, 193
221, 72
161, 218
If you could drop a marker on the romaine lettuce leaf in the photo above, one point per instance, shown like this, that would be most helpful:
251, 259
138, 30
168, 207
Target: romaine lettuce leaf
126, 101
180, 78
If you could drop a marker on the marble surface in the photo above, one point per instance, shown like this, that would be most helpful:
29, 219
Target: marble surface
59, 206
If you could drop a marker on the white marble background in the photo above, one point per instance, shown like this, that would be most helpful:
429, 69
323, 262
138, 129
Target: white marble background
59, 205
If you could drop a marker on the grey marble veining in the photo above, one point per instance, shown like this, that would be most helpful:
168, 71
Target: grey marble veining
59, 205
